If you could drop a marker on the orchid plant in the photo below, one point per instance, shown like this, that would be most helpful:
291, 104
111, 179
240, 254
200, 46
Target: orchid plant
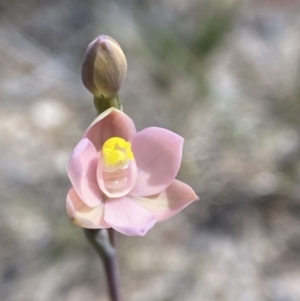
123, 180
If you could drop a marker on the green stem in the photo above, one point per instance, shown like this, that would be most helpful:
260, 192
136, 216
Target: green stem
112, 236
100, 239
101, 103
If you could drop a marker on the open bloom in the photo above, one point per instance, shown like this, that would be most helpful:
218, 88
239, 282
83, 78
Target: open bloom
125, 179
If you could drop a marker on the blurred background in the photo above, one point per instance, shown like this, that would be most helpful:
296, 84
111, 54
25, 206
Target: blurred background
223, 74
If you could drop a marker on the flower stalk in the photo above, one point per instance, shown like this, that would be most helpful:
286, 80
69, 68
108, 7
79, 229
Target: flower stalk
103, 242
102, 103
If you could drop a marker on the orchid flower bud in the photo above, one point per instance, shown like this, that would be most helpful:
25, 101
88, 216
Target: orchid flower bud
104, 67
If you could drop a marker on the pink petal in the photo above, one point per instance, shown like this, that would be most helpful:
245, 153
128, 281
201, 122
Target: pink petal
84, 216
111, 123
130, 174
127, 217
82, 171
157, 153
169, 202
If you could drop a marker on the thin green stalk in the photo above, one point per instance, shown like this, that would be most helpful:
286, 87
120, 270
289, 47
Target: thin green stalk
100, 240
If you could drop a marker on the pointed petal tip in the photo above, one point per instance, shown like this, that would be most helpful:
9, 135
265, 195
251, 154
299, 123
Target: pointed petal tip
132, 231
110, 111
169, 202
193, 196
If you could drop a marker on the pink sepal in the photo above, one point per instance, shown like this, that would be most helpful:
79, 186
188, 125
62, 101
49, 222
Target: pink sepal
111, 123
82, 169
127, 217
158, 154
84, 216
169, 202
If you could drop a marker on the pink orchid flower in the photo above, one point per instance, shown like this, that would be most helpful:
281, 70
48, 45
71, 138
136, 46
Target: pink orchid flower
125, 179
